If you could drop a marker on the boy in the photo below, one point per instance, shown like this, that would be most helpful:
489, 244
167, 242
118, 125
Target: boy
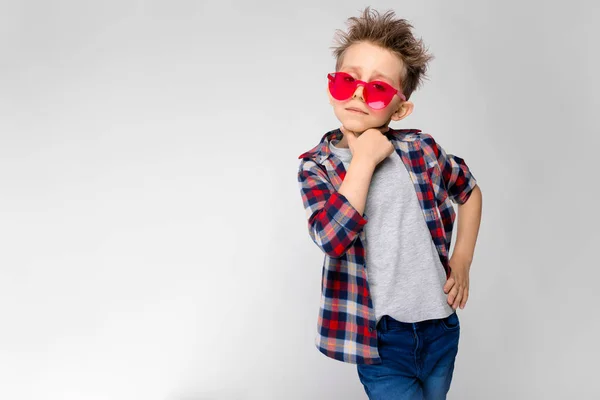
379, 205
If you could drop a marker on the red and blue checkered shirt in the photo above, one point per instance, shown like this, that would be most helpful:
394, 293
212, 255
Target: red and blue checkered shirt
346, 327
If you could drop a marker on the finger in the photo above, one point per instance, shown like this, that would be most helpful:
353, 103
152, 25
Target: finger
449, 284
352, 138
463, 301
459, 297
465, 298
453, 294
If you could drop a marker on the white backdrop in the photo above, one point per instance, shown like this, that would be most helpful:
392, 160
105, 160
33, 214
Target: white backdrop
153, 240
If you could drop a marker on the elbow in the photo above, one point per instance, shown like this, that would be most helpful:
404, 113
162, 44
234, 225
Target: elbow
332, 238
333, 251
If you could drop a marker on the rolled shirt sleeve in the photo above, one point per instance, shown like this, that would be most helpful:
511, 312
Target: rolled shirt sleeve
333, 222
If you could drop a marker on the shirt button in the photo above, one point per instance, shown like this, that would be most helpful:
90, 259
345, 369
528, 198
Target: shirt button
370, 329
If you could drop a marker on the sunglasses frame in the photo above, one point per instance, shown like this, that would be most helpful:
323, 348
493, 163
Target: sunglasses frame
366, 85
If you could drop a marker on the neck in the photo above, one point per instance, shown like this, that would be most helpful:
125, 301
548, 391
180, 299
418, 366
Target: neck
343, 143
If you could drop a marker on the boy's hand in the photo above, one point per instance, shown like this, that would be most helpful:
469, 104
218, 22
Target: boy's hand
371, 145
457, 285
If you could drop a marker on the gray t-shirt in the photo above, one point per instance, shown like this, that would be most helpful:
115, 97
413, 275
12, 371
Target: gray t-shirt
404, 271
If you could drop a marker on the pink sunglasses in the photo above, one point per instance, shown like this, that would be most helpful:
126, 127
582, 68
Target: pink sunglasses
378, 94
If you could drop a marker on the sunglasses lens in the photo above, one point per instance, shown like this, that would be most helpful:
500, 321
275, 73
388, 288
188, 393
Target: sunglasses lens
341, 86
378, 95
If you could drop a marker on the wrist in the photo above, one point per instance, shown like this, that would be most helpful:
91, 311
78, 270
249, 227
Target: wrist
364, 161
462, 256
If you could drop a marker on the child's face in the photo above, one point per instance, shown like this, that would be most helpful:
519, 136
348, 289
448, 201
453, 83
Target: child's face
369, 62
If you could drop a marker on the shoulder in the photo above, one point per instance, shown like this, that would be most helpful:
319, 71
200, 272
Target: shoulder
426, 139
406, 135
310, 167
320, 150
429, 144
415, 135
310, 154
307, 164
430, 149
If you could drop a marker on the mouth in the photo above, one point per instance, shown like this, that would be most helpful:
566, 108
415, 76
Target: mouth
355, 110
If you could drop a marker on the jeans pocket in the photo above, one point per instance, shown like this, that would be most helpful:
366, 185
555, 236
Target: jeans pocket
451, 322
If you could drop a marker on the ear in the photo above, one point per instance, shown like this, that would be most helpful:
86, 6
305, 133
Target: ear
403, 111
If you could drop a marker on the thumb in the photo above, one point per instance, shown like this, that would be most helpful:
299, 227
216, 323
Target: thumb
448, 285
350, 136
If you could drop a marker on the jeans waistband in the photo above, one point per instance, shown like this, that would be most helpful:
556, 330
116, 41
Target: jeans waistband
386, 322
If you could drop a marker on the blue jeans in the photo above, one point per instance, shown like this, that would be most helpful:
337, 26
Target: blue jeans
418, 359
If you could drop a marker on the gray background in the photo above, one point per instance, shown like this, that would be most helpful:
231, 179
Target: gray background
153, 240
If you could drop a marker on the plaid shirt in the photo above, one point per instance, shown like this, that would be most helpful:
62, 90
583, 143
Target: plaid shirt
346, 328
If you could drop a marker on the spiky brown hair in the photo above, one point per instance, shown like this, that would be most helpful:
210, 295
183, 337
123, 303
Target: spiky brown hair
390, 33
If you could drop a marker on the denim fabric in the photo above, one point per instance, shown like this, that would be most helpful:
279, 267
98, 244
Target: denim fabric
417, 359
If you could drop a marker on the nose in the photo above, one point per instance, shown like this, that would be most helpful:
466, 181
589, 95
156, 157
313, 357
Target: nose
359, 92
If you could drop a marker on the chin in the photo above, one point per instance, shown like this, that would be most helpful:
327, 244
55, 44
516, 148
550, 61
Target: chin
357, 126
